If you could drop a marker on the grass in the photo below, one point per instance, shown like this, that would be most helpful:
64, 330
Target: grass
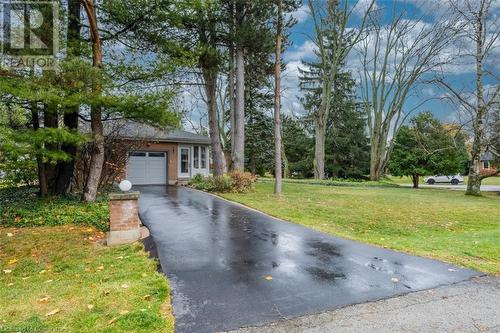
440, 224
21, 207
63, 279
406, 180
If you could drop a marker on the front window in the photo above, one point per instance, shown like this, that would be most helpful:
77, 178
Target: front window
486, 164
184, 160
196, 158
203, 157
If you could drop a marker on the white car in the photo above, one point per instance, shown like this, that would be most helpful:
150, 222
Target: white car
454, 180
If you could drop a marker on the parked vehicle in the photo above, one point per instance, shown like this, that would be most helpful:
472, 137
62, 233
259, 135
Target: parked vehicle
454, 179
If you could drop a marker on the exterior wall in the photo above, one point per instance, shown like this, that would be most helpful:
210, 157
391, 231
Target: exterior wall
482, 170
172, 154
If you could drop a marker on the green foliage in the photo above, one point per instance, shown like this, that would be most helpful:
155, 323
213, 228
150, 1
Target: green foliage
21, 207
346, 143
427, 147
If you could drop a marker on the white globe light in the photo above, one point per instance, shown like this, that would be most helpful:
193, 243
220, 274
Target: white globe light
125, 185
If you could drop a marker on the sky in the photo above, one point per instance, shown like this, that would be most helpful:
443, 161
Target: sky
461, 74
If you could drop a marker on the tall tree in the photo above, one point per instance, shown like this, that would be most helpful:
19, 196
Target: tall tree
334, 39
394, 58
96, 126
480, 29
278, 183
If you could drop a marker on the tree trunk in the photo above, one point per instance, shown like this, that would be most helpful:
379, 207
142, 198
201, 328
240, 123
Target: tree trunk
210, 79
278, 183
474, 179
286, 168
415, 179
238, 160
377, 155
66, 168
231, 100
97, 153
231, 85
319, 148
42, 179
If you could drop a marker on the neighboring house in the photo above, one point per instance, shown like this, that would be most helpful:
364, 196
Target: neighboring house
487, 162
158, 156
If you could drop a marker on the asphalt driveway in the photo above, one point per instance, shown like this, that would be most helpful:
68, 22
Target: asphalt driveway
230, 266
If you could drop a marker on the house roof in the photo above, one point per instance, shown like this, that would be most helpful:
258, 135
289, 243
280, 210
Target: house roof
487, 156
133, 130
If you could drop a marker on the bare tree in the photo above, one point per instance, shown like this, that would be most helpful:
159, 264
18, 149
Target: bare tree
394, 57
480, 29
278, 183
334, 40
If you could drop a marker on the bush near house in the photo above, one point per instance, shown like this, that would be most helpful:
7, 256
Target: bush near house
235, 182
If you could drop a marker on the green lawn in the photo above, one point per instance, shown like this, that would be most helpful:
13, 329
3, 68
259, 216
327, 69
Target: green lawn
62, 279
407, 180
441, 224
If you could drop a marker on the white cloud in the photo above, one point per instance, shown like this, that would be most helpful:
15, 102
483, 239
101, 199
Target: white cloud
304, 51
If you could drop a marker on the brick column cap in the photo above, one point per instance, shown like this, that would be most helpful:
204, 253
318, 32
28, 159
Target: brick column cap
134, 195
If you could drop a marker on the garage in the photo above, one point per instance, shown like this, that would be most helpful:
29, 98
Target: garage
147, 168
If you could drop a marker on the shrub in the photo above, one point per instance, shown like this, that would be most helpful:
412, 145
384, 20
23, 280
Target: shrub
234, 182
242, 181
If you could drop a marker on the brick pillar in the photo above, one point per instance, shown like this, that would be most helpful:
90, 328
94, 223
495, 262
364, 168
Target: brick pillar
124, 222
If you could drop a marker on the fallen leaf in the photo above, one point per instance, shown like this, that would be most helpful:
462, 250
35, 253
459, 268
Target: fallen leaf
120, 257
53, 312
146, 297
26, 277
10, 234
100, 268
89, 230
44, 299
125, 286
90, 306
17, 219
124, 312
49, 281
11, 261
91, 238
10, 284
144, 275
106, 292
42, 271
268, 278
7, 271
112, 320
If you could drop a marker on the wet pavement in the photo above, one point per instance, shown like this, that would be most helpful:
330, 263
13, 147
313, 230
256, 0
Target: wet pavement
230, 266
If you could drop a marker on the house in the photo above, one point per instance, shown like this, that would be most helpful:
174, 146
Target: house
159, 156
487, 162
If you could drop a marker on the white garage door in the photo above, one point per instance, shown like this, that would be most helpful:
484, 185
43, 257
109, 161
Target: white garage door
147, 168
